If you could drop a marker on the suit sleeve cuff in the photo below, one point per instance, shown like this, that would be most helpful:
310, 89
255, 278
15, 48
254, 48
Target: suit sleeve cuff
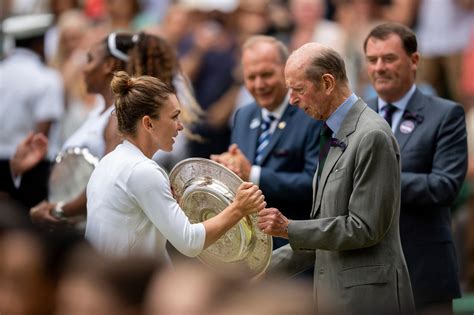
255, 172
16, 180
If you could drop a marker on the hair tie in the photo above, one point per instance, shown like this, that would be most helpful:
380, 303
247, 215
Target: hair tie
113, 48
130, 84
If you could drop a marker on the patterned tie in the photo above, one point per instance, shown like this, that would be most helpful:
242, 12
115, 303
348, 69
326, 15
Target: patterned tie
324, 146
388, 111
264, 137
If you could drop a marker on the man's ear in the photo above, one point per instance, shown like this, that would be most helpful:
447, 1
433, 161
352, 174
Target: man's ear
415, 58
329, 82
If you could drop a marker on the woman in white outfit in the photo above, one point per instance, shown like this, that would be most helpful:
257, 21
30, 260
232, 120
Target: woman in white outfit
98, 133
130, 206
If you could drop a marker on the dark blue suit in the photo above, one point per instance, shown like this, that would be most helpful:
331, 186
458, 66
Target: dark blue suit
289, 161
434, 164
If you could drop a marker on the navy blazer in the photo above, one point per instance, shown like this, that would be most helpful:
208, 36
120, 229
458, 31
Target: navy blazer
433, 146
289, 161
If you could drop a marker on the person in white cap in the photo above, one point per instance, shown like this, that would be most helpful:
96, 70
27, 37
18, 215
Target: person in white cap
32, 99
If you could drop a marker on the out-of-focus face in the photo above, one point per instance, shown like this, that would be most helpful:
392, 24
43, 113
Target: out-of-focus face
252, 17
307, 95
391, 70
306, 12
96, 74
121, 9
24, 287
71, 39
81, 295
264, 75
167, 126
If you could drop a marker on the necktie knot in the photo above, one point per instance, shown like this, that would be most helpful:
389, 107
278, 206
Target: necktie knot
267, 121
326, 131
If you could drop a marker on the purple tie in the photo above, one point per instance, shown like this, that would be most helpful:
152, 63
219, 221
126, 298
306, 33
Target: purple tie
387, 112
324, 146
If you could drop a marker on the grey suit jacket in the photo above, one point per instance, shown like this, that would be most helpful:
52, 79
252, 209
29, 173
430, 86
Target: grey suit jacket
434, 164
353, 237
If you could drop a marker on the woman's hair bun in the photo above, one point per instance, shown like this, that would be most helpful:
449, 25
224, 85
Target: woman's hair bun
122, 83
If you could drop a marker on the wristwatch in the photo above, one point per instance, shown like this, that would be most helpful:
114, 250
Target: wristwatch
58, 211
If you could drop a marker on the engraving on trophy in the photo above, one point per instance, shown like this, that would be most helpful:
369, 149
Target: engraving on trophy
203, 189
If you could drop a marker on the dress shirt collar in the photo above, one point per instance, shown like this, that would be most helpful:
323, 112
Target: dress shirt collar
335, 120
132, 147
278, 112
401, 104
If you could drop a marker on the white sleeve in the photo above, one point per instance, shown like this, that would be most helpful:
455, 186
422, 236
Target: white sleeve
150, 187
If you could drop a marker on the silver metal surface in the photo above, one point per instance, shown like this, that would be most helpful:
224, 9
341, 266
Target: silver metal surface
203, 188
70, 174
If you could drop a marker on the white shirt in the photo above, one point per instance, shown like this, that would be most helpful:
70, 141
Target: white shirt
401, 105
30, 93
130, 208
90, 134
256, 170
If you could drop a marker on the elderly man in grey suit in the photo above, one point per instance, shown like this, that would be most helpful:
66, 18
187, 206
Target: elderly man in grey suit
431, 133
353, 237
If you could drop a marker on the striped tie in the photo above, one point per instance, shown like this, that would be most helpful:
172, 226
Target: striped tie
264, 137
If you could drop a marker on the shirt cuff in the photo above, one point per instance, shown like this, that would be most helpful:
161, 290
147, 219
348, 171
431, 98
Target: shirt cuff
255, 172
15, 179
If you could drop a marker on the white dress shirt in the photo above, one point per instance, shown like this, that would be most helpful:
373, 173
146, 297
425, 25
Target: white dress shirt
256, 170
130, 208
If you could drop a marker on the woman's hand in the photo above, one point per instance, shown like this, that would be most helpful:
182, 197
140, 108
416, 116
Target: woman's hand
249, 199
41, 215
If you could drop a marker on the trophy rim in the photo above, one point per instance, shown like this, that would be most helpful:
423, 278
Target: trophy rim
257, 260
85, 154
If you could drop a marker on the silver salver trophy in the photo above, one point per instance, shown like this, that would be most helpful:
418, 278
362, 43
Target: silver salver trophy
203, 188
69, 177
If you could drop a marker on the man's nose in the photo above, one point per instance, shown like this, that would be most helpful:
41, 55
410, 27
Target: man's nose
379, 65
293, 98
259, 82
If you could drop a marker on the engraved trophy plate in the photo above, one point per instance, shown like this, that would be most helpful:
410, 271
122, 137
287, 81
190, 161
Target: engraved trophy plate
70, 174
203, 188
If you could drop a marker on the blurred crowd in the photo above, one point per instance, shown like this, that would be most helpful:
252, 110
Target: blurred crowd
43, 273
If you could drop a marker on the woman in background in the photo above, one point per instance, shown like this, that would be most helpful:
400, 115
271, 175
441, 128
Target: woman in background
98, 133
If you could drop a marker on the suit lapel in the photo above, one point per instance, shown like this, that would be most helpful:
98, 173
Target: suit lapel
253, 125
373, 105
415, 107
279, 130
347, 128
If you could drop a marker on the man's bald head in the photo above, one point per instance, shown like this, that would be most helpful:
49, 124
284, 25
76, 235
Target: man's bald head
315, 60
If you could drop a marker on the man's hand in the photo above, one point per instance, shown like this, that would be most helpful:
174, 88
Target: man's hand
273, 222
234, 160
29, 152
